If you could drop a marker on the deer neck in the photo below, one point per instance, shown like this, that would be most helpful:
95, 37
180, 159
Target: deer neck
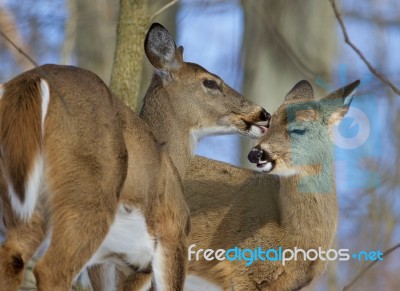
168, 126
308, 203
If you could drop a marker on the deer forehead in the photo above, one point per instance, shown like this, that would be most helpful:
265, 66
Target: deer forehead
297, 111
307, 115
196, 71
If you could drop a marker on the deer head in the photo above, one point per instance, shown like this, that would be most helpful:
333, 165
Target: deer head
197, 97
299, 135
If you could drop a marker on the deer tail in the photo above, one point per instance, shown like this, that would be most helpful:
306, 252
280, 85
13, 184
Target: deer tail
23, 110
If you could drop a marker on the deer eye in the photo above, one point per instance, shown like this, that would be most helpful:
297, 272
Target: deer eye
297, 128
211, 84
298, 131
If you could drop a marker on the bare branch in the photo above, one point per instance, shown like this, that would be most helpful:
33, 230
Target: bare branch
8, 27
385, 253
162, 9
18, 49
358, 52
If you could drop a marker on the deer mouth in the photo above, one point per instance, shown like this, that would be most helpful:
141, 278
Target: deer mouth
257, 129
237, 123
257, 126
262, 125
262, 159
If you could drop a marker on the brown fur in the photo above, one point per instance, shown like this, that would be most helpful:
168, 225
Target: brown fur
87, 137
236, 207
231, 206
11, 266
70, 157
20, 133
177, 103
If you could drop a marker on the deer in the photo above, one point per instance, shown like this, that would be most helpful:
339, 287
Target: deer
291, 203
100, 183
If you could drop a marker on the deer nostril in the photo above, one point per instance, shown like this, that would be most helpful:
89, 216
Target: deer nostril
255, 155
264, 115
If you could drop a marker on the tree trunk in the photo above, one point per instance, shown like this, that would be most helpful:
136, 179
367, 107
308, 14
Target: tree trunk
128, 60
95, 37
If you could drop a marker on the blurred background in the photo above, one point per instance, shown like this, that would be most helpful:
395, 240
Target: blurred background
261, 48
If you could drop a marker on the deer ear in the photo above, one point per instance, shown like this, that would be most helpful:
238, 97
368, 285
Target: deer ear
302, 90
345, 94
338, 102
161, 49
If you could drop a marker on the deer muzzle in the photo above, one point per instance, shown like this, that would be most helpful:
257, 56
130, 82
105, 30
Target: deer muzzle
260, 157
258, 124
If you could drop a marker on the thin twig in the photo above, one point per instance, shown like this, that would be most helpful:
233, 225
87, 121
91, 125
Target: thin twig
385, 253
49, 76
162, 9
358, 52
18, 49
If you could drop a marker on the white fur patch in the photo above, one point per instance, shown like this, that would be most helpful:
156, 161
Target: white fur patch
266, 167
197, 134
127, 236
286, 172
218, 129
109, 277
158, 267
255, 132
32, 187
45, 90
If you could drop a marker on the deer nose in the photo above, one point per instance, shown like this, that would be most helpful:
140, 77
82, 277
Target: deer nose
255, 155
265, 116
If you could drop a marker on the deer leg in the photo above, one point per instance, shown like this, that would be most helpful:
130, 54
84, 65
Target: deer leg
23, 239
106, 276
74, 240
83, 209
11, 268
96, 276
136, 282
169, 264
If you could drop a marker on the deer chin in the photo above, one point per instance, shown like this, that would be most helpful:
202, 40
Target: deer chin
286, 173
266, 166
277, 167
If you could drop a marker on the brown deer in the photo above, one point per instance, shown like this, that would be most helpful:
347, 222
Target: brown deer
81, 169
293, 205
